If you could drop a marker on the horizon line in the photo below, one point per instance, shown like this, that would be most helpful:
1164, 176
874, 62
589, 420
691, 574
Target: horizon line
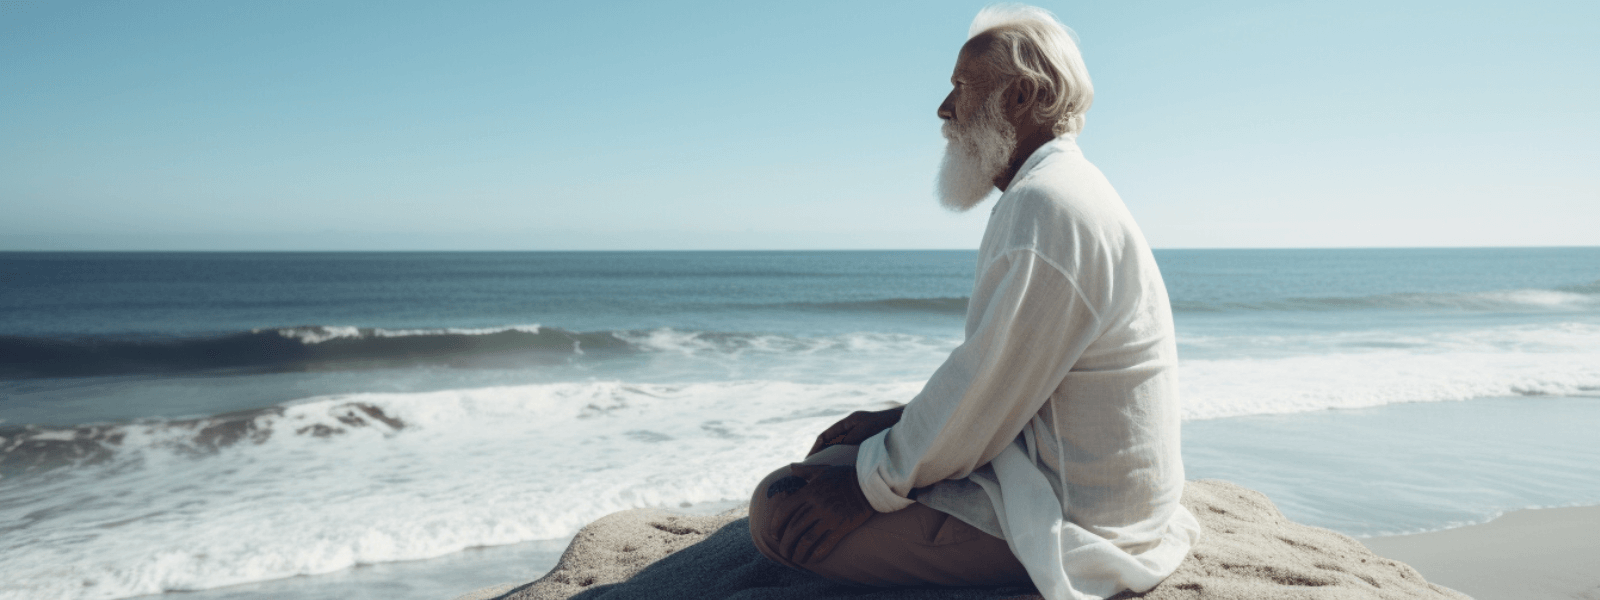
706, 250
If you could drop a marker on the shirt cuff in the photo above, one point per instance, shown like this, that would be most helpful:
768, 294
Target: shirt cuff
870, 458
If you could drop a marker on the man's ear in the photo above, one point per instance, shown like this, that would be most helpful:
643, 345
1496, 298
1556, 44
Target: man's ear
1023, 93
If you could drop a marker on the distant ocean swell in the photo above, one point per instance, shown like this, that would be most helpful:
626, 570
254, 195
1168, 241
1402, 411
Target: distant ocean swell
1583, 297
1559, 337
952, 306
342, 347
309, 348
1577, 298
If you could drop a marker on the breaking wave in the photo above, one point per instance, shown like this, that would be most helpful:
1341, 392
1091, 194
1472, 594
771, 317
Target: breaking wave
309, 348
331, 482
33, 449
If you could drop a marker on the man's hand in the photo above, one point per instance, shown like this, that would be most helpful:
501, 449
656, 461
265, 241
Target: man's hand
814, 508
856, 428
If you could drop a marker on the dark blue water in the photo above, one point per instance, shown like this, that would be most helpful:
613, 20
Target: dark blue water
189, 294
79, 314
185, 294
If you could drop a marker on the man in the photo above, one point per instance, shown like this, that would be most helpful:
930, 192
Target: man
1045, 448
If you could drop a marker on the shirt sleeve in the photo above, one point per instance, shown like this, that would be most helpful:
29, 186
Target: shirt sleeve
1033, 326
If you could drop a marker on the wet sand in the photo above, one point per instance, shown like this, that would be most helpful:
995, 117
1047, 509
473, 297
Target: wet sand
1544, 554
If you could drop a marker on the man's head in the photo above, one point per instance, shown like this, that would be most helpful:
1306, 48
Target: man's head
1019, 81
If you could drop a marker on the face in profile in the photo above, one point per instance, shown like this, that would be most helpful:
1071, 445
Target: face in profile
979, 140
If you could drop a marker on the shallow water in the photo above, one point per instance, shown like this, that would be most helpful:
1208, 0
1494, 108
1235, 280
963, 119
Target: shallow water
1408, 468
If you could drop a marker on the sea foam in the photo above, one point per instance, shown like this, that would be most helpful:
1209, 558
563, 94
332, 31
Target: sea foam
325, 484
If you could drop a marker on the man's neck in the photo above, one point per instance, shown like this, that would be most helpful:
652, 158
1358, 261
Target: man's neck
1039, 136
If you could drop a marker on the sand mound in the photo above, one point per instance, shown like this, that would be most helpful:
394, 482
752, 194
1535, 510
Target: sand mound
1249, 551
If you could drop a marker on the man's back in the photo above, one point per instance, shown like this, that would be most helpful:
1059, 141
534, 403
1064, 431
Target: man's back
1110, 428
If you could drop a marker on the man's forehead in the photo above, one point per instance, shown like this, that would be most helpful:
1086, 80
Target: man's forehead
979, 44
968, 63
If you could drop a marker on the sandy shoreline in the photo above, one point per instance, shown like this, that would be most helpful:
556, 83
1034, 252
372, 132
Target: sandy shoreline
1540, 554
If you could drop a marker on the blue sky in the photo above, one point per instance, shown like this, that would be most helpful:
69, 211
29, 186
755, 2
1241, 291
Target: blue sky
616, 125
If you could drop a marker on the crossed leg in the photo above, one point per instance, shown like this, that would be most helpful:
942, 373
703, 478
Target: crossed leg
914, 546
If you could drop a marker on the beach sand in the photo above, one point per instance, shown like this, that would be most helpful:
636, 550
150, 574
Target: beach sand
1249, 550
1543, 554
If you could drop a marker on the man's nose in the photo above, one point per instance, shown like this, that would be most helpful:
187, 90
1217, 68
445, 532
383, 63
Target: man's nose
947, 109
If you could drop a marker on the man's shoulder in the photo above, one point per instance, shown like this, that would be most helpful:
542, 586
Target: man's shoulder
1066, 178
1065, 210
1064, 191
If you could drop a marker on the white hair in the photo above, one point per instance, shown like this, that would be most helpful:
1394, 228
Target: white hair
1031, 44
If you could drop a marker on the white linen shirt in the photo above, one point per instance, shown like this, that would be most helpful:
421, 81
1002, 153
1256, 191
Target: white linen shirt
1055, 424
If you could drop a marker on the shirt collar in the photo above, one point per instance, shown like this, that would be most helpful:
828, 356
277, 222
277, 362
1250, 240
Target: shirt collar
1062, 143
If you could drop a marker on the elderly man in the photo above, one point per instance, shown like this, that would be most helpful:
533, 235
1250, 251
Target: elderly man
1045, 448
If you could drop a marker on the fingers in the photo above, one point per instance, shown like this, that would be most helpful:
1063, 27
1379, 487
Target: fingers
824, 444
788, 506
806, 472
816, 447
782, 523
833, 435
785, 485
819, 546
794, 543
801, 517
811, 543
807, 539
794, 517
798, 533
840, 432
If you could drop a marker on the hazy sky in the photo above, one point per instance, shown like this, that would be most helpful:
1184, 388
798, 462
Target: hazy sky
132, 124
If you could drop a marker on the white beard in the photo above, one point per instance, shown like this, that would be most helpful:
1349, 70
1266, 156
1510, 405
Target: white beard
976, 153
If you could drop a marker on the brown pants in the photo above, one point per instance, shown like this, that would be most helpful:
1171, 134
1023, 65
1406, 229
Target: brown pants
913, 546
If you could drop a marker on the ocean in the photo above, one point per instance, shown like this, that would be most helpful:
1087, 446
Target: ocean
416, 425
